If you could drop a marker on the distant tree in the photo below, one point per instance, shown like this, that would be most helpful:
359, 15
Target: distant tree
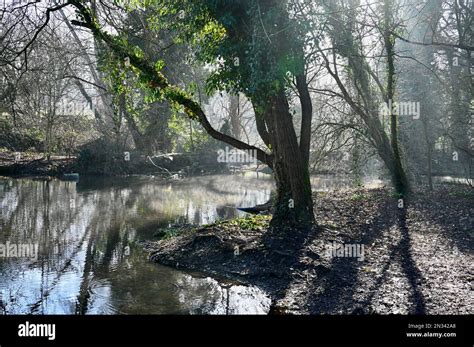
341, 34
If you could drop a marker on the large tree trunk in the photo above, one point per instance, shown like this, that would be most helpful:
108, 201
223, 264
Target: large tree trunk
293, 205
306, 117
399, 177
430, 168
394, 166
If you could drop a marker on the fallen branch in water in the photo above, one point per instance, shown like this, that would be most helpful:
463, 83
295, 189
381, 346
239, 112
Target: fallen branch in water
159, 167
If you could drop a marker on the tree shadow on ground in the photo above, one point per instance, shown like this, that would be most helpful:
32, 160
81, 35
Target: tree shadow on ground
293, 265
334, 284
402, 253
338, 291
333, 291
454, 223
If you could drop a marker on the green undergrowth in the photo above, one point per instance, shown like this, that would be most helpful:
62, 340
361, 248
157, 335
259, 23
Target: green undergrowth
257, 222
173, 231
358, 197
462, 193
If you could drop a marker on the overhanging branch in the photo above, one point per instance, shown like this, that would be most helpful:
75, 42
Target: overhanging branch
441, 44
158, 81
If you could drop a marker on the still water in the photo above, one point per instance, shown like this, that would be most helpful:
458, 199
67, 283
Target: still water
87, 233
88, 259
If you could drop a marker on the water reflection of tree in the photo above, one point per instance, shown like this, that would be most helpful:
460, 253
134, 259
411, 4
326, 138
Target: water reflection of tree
31, 221
84, 244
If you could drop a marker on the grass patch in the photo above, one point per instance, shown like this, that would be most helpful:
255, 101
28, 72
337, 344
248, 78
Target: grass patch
251, 222
320, 194
331, 225
255, 222
462, 193
358, 197
173, 231
395, 195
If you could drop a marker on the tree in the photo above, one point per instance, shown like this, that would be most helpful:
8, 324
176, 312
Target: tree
341, 35
39, 101
437, 45
259, 54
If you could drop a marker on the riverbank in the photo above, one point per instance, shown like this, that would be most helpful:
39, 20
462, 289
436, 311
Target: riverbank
111, 164
410, 260
33, 164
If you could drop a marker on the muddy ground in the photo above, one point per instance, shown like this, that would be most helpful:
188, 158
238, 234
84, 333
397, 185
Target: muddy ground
416, 260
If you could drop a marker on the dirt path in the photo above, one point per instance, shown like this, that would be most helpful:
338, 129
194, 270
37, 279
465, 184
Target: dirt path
415, 260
